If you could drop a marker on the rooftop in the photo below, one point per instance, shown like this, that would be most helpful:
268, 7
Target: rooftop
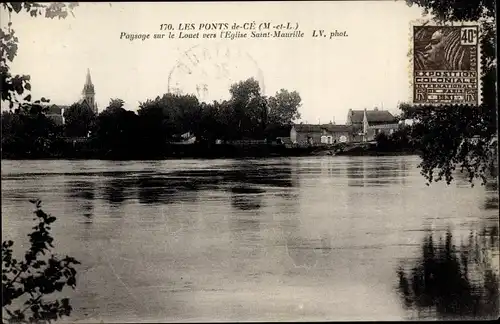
315, 128
55, 109
374, 116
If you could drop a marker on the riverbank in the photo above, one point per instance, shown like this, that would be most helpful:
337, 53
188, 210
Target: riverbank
364, 149
207, 151
193, 151
377, 152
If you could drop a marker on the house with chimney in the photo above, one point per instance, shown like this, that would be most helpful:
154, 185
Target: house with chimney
366, 124
311, 134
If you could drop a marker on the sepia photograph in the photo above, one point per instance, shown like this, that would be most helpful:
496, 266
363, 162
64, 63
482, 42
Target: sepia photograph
249, 161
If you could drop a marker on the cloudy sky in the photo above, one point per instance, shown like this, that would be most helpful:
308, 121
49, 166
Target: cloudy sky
367, 68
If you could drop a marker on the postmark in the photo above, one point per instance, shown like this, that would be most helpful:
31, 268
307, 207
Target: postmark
208, 71
445, 64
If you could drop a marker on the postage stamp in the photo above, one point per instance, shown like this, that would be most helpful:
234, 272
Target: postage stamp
445, 64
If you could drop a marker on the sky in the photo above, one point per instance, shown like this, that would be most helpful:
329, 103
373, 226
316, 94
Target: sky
366, 69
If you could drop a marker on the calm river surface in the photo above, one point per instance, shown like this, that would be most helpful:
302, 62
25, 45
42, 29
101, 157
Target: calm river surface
315, 238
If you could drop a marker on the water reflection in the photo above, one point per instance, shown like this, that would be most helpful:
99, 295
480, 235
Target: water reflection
114, 190
246, 180
262, 174
364, 172
404, 170
84, 190
449, 282
305, 249
152, 190
246, 198
166, 189
382, 174
331, 170
297, 246
356, 174
491, 201
245, 230
83, 193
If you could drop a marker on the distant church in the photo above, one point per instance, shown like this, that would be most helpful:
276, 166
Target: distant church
88, 94
56, 112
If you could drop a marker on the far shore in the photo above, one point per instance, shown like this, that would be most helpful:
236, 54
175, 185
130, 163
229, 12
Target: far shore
197, 151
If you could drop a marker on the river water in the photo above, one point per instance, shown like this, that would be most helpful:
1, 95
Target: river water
313, 238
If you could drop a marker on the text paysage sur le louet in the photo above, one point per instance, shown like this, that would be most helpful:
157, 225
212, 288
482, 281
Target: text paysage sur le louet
232, 31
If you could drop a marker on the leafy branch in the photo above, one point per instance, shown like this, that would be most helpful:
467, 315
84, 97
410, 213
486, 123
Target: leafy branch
38, 275
11, 87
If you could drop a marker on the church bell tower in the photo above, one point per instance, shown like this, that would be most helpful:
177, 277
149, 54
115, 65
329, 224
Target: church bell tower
88, 93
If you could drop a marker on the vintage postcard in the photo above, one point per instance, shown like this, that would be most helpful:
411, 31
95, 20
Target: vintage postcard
239, 161
446, 64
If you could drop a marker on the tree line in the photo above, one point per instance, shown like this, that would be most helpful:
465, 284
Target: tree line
247, 115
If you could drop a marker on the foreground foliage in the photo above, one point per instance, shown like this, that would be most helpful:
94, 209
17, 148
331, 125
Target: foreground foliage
27, 284
13, 88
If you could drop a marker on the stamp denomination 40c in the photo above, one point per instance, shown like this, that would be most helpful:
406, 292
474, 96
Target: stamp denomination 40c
445, 64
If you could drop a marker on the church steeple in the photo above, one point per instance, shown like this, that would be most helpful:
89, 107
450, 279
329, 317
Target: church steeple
88, 88
88, 92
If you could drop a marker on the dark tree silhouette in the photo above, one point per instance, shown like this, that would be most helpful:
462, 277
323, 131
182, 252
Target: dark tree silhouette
117, 130
79, 120
115, 104
284, 107
248, 109
463, 137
